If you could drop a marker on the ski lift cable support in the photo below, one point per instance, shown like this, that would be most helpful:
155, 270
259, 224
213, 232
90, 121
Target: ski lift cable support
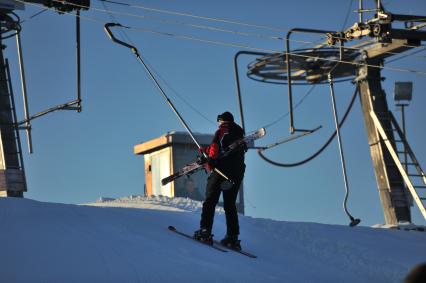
198, 26
157, 74
145, 30
135, 51
326, 144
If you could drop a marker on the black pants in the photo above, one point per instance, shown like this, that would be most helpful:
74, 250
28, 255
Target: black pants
213, 191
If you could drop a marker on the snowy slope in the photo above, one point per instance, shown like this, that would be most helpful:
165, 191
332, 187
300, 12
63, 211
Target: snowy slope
127, 240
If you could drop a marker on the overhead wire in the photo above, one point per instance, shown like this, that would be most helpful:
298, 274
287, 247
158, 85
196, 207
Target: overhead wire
423, 73
95, 20
215, 28
113, 19
213, 42
34, 15
295, 107
184, 100
170, 12
146, 30
123, 32
327, 143
176, 22
207, 27
408, 55
228, 21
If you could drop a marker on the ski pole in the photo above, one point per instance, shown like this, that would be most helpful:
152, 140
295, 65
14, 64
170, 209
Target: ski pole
151, 76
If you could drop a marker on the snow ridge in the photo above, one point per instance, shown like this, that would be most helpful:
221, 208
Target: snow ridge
154, 202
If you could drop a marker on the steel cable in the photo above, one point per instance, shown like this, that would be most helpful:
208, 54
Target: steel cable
195, 16
207, 27
423, 73
327, 143
123, 32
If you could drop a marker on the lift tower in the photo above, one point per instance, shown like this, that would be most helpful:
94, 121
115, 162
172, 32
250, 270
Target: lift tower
383, 133
362, 63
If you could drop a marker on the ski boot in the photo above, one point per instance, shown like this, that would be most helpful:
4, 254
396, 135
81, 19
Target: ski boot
204, 235
231, 242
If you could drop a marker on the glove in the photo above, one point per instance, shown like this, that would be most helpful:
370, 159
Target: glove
209, 163
202, 159
201, 150
212, 162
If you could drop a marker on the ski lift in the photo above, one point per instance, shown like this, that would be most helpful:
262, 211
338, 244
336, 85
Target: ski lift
318, 65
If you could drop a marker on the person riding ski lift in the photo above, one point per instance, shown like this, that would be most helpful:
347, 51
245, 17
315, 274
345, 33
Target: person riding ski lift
233, 167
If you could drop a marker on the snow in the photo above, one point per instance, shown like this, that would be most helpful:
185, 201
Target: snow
126, 240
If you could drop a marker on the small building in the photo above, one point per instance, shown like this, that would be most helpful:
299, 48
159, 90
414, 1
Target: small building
167, 154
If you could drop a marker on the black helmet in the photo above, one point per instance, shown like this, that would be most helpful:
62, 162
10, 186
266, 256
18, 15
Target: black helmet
225, 116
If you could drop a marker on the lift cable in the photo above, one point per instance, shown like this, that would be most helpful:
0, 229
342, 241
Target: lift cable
293, 137
146, 30
109, 11
125, 35
327, 143
287, 113
179, 96
170, 12
174, 22
231, 31
408, 55
211, 28
34, 15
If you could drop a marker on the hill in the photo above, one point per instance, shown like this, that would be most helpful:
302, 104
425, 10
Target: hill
126, 240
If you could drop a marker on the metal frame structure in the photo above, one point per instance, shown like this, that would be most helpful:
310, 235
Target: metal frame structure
71, 105
12, 173
389, 41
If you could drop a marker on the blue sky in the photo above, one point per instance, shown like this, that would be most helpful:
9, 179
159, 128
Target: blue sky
79, 157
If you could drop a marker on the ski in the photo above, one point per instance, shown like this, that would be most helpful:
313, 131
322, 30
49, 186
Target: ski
214, 246
235, 250
197, 165
186, 170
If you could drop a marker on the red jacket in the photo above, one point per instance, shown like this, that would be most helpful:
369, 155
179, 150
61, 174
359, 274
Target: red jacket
225, 135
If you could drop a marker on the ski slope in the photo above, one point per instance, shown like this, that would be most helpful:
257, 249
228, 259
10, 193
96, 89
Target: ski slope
126, 240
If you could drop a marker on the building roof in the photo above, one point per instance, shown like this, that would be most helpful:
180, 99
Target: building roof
174, 137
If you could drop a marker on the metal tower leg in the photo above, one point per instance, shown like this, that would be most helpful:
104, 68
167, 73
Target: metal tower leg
12, 178
389, 181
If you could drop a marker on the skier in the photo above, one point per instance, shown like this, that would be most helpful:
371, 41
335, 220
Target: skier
233, 167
